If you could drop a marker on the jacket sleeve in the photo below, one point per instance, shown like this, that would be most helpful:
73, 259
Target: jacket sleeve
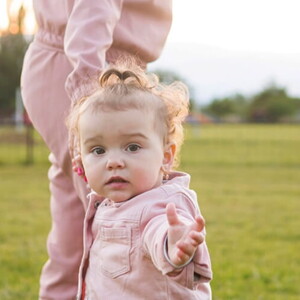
198, 271
89, 33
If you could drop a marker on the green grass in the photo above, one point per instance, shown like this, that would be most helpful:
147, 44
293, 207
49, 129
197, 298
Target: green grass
248, 182
25, 221
247, 179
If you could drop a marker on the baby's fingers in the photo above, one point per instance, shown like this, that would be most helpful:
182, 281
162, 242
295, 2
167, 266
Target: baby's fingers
196, 238
199, 224
192, 241
172, 214
181, 257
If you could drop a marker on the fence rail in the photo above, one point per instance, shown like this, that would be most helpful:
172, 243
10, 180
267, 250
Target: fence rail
247, 144
21, 144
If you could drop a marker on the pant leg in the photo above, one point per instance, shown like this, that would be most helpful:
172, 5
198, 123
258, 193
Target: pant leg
43, 78
60, 273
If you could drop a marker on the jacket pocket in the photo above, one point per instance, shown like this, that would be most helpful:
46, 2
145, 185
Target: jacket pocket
114, 251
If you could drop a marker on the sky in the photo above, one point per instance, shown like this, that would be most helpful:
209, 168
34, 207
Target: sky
252, 25
225, 47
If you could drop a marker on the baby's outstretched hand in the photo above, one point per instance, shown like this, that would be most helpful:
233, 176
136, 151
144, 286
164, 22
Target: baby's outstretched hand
183, 239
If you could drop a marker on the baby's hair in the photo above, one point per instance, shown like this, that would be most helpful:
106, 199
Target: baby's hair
125, 86
122, 76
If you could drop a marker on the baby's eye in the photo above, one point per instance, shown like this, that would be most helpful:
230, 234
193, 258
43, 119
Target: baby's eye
133, 148
98, 150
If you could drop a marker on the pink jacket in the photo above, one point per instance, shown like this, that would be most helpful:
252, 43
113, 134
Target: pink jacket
106, 27
124, 248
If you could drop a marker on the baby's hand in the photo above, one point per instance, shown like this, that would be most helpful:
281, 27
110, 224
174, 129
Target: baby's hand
183, 239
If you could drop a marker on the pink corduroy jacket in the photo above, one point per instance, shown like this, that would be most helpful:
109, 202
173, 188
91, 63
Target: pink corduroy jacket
124, 248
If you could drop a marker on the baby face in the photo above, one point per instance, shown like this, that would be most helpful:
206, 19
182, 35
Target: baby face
122, 152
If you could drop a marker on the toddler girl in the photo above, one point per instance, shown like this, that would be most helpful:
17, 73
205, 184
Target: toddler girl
143, 231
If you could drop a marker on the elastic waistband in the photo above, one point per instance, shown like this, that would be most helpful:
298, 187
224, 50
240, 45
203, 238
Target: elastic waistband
50, 39
54, 41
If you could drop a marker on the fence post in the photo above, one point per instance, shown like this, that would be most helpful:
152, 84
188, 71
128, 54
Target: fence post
19, 111
29, 144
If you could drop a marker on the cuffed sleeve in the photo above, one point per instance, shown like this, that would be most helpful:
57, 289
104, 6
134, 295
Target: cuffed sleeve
202, 265
89, 34
154, 236
198, 270
168, 258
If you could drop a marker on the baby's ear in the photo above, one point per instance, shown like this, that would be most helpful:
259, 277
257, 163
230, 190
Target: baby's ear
169, 155
77, 165
74, 148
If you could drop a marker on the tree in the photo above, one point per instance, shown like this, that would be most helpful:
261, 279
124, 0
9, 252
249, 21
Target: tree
12, 50
233, 107
168, 77
272, 105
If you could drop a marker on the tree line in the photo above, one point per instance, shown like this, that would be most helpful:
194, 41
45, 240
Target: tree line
271, 105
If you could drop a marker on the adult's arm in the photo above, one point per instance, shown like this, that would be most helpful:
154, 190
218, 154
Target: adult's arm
89, 34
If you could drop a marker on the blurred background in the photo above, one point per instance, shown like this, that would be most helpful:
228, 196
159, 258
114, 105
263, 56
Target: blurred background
241, 62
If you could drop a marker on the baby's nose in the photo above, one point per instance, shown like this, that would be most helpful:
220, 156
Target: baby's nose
114, 163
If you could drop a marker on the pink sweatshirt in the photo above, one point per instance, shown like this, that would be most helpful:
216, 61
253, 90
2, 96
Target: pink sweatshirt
108, 27
124, 248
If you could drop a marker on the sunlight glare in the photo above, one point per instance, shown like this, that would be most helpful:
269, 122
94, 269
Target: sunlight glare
3, 16
29, 23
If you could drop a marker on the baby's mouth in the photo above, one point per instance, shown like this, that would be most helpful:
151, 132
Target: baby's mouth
116, 179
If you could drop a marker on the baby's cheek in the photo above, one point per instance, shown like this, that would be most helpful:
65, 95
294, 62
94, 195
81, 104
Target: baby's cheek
148, 180
93, 178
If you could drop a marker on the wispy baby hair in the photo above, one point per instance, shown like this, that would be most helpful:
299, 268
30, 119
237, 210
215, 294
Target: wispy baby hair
124, 86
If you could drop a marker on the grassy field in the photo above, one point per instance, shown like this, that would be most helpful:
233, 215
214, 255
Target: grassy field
248, 182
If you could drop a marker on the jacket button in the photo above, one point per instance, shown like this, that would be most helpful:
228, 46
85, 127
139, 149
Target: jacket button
96, 204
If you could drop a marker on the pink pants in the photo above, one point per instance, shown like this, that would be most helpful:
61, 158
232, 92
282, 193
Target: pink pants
44, 73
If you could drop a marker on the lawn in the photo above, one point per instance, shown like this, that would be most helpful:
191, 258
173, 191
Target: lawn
248, 182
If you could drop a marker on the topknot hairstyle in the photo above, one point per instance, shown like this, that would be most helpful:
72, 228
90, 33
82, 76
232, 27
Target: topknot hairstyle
121, 75
124, 86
